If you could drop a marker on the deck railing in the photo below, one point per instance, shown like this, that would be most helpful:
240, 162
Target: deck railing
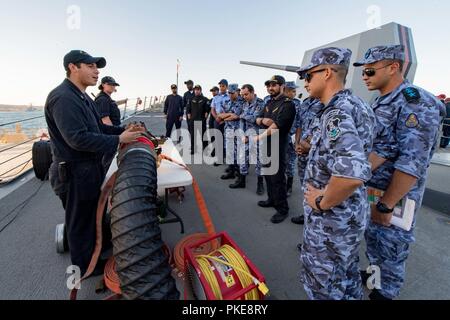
16, 158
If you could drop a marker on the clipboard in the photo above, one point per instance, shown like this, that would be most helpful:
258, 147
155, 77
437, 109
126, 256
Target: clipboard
403, 215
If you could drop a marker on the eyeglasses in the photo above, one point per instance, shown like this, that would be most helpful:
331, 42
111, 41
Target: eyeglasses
309, 75
370, 72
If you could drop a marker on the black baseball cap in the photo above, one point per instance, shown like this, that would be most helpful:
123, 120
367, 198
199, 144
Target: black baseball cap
276, 79
110, 81
189, 82
80, 56
214, 89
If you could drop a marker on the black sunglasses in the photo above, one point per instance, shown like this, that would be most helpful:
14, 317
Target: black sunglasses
308, 76
370, 72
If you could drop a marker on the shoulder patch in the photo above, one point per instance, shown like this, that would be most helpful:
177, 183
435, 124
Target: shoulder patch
333, 130
412, 121
411, 94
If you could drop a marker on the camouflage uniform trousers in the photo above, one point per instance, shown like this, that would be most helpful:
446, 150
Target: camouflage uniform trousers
244, 158
291, 159
388, 248
302, 164
231, 147
330, 256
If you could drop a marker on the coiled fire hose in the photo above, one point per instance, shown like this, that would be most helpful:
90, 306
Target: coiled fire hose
233, 258
235, 261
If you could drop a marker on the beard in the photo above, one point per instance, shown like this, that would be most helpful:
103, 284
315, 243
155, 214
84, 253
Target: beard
275, 93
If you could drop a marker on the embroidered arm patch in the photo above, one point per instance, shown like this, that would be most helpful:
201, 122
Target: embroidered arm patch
411, 94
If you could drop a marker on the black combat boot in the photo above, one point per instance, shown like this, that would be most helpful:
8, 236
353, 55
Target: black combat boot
260, 189
229, 175
279, 217
240, 182
300, 220
266, 204
290, 183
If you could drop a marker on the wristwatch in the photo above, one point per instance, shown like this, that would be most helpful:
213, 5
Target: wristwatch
318, 201
384, 209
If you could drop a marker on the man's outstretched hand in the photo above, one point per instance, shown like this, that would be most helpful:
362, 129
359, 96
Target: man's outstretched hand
130, 135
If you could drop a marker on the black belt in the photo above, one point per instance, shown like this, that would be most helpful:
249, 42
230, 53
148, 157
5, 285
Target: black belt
93, 159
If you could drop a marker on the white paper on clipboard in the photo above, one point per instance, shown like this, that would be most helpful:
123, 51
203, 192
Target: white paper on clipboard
293, 139
403, 216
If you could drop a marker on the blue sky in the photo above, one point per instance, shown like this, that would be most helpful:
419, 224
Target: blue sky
142, 40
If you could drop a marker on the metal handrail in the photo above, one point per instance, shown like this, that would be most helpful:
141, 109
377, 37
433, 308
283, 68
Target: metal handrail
19, 144
40, 117
18, 156
445, 125
24, 164
146, 104
19, 121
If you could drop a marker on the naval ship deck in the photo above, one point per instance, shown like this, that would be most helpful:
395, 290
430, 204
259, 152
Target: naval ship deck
30, 268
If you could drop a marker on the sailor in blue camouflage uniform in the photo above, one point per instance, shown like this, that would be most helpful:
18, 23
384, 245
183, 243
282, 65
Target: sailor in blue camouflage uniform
290, 91
408, 121
232, 109
267, 98
306, 115
336, 204
252, 109
216, 109
309, 110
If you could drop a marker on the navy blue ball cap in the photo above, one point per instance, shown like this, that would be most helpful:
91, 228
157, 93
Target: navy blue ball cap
224, 82
110, 81
80, 56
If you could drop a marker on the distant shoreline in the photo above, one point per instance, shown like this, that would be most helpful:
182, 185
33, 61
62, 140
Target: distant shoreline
7, 108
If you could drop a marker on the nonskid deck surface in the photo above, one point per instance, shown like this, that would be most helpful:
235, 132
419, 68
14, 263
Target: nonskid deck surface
31, 269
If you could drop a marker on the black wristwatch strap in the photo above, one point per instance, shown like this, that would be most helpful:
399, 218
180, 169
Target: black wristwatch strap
318, 201
382, 208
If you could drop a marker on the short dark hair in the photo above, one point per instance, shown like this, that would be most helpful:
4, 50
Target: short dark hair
341, 72
249, 87
68, 72
401, 64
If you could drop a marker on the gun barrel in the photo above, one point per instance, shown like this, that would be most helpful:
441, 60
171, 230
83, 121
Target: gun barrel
271, 66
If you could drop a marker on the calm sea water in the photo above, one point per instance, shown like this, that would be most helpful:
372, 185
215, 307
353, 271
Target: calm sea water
29, 127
